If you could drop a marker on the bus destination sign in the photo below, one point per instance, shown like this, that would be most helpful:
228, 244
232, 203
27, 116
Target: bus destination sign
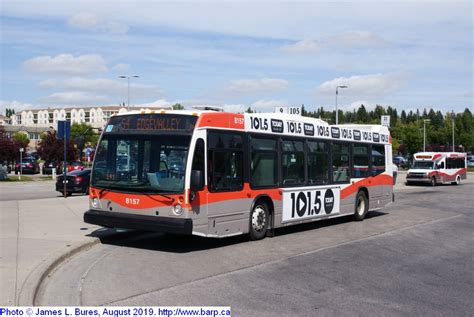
151, 123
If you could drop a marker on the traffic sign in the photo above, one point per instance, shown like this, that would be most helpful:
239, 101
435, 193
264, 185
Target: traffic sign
64, 129
385, 121
289, 110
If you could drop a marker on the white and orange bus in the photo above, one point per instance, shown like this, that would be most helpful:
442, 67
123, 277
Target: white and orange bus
437, 168
217, 174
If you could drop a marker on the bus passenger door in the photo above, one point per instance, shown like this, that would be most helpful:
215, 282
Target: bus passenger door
198, 192
377, 167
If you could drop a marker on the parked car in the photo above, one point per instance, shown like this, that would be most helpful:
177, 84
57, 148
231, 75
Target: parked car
74, 166
470, 160
76, 182
400, 161
28, 166
49, 165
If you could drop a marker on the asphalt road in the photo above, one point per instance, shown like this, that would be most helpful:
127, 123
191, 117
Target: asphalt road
414, 257
29, 190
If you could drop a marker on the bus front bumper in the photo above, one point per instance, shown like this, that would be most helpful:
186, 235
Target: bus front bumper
138, 222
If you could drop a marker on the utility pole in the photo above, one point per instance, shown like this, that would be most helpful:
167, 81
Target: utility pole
452, 118
337, 111
128, 88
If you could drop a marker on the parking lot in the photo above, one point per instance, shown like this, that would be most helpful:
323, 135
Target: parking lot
412, 257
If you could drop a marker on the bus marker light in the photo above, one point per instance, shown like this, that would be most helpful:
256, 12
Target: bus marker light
181, 199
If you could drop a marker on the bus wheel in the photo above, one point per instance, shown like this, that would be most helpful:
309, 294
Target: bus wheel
258, 221
458, 181
361, 206
433, 181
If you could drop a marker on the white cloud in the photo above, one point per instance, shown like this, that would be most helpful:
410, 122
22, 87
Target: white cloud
121, 67
374, 84
74, 98
235, 108
353, 39
103, 86
157, 103
93, 22
268, 105
256, 85
14, 104
67, 64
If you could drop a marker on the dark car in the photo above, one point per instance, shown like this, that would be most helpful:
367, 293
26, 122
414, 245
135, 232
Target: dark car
28, 166
76, 182
49, 165
400, 161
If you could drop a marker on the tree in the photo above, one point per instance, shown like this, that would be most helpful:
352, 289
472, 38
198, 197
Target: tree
362, 116
22, 139
177, 106
8, 149
83, 134
249, 110
413, 139
50, 148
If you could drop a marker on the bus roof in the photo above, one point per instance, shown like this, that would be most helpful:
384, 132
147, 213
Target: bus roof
432, 156
282, 124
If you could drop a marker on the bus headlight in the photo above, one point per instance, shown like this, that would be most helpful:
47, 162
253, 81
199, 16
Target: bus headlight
95, 202
178, 210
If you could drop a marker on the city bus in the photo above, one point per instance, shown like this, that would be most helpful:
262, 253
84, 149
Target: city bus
218, 174
437, 168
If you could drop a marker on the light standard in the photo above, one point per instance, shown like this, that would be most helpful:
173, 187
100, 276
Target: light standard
337, 111
424, 133
128, 88
452, 118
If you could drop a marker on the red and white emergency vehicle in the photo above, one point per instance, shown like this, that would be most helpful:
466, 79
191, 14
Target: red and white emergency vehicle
218, 174
437, 168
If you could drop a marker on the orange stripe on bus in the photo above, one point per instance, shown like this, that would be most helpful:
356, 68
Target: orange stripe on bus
221, 120
382, 179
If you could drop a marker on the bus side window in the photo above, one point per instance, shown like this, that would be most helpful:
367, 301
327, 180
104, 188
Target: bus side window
378, 159
225, 157
264, 162
318, 163
340, 162
360, 159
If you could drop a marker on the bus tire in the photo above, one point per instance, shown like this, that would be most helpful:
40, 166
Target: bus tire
433, 181
259, 219
458, 181
361, 206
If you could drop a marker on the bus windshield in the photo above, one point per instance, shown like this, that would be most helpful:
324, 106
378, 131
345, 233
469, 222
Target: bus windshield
141, 163
427, 165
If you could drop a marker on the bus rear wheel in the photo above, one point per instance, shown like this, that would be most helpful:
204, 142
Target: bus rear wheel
258, 221
361, 206
458, 181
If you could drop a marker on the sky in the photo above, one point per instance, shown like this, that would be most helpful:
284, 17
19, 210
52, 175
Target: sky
237, 54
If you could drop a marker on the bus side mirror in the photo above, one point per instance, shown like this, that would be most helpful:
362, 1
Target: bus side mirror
197, 180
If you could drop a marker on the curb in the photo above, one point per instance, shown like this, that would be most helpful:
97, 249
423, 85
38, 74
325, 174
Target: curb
30, 287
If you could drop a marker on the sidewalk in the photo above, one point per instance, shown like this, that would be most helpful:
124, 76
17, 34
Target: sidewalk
32, 234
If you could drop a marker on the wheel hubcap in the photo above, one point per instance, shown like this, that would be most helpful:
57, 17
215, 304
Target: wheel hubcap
258, 218
360, 206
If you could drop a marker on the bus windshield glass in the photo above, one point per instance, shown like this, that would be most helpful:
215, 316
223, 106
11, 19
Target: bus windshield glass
141, 163
427, 165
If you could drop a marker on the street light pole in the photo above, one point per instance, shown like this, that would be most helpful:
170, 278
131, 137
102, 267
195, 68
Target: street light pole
452, 118
424, 133
128, 88
337, 111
